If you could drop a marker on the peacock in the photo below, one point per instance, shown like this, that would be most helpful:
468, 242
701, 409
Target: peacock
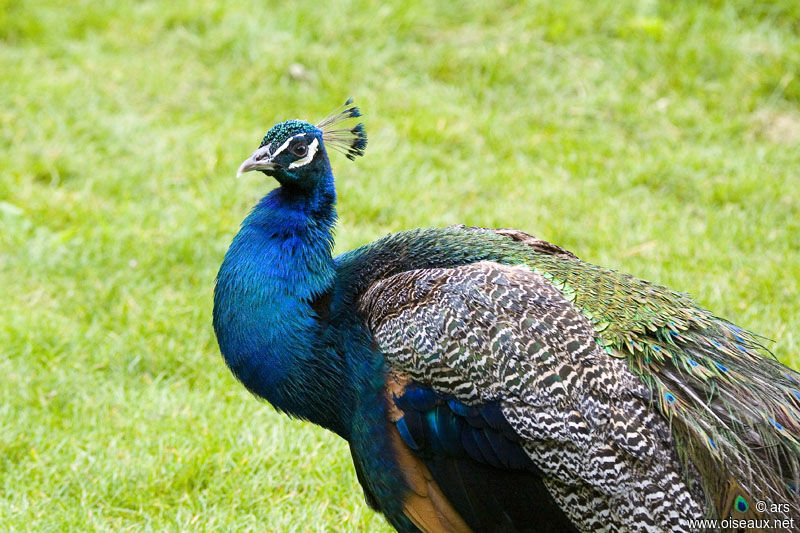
488, 380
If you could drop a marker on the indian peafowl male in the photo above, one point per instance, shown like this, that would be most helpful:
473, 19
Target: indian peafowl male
487, 380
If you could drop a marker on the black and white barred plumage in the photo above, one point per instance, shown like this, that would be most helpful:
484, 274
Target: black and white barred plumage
488, 332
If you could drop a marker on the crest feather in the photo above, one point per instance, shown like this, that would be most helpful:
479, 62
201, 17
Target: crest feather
349, 141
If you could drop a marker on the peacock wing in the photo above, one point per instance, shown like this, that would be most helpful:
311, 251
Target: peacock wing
497, 366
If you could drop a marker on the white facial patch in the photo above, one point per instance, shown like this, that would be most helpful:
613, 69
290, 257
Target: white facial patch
282, 147
312, 150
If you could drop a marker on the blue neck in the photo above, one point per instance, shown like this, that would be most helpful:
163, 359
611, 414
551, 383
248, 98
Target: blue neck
278, 263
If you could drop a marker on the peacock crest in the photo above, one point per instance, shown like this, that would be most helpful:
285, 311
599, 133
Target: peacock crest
350, 141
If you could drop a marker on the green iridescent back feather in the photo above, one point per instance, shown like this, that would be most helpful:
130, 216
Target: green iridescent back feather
734, 410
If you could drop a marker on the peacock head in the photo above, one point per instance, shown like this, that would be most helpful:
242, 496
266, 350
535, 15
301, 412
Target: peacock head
293, 152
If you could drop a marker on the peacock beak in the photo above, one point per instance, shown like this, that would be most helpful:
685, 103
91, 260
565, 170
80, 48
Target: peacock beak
260, 160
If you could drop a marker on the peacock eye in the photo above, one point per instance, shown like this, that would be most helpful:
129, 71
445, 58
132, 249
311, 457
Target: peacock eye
300, 150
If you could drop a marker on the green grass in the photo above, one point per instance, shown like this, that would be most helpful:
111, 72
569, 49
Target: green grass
659, 138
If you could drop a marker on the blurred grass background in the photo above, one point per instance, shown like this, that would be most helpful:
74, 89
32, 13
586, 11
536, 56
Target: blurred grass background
656, 137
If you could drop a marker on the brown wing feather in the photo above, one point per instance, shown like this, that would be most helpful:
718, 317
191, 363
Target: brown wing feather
425, 505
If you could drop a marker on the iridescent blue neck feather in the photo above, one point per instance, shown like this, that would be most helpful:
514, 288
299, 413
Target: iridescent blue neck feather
278, 263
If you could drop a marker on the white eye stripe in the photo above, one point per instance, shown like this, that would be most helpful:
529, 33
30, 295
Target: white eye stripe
312, 150
282, 147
